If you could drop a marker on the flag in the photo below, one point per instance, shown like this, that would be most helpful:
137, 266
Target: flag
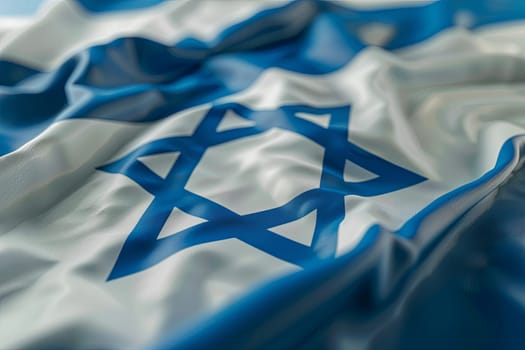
270, 174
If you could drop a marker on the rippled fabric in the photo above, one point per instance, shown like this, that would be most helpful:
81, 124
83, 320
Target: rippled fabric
302, 175
306, 36
463, 291
475, 289
467, 296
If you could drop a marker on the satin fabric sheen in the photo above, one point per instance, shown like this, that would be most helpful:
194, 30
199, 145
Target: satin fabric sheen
439, 94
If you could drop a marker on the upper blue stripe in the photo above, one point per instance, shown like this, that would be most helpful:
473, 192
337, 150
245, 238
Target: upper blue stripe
139, 80
117, 5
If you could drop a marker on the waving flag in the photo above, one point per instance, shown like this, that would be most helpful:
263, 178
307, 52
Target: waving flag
270, 174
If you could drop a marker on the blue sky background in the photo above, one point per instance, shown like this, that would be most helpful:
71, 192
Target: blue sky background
19, 7
29, 7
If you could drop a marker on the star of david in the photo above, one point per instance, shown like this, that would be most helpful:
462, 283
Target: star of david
144, 248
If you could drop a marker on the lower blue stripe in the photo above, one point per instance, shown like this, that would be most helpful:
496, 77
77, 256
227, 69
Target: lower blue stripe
349, 294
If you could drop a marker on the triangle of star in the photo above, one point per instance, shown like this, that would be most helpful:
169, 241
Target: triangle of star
301, 230
232, 120
355, 173
322, 120
178, 221
161, 163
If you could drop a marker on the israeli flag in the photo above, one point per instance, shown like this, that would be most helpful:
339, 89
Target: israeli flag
270, 174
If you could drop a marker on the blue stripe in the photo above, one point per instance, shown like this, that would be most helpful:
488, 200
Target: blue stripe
118, 5
138, 80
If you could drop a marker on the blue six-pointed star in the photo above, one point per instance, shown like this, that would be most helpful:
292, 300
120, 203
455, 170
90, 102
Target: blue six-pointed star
143, 248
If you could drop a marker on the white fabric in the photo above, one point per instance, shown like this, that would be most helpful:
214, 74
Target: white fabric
63, 223
300, 230
250, 171
63, 28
